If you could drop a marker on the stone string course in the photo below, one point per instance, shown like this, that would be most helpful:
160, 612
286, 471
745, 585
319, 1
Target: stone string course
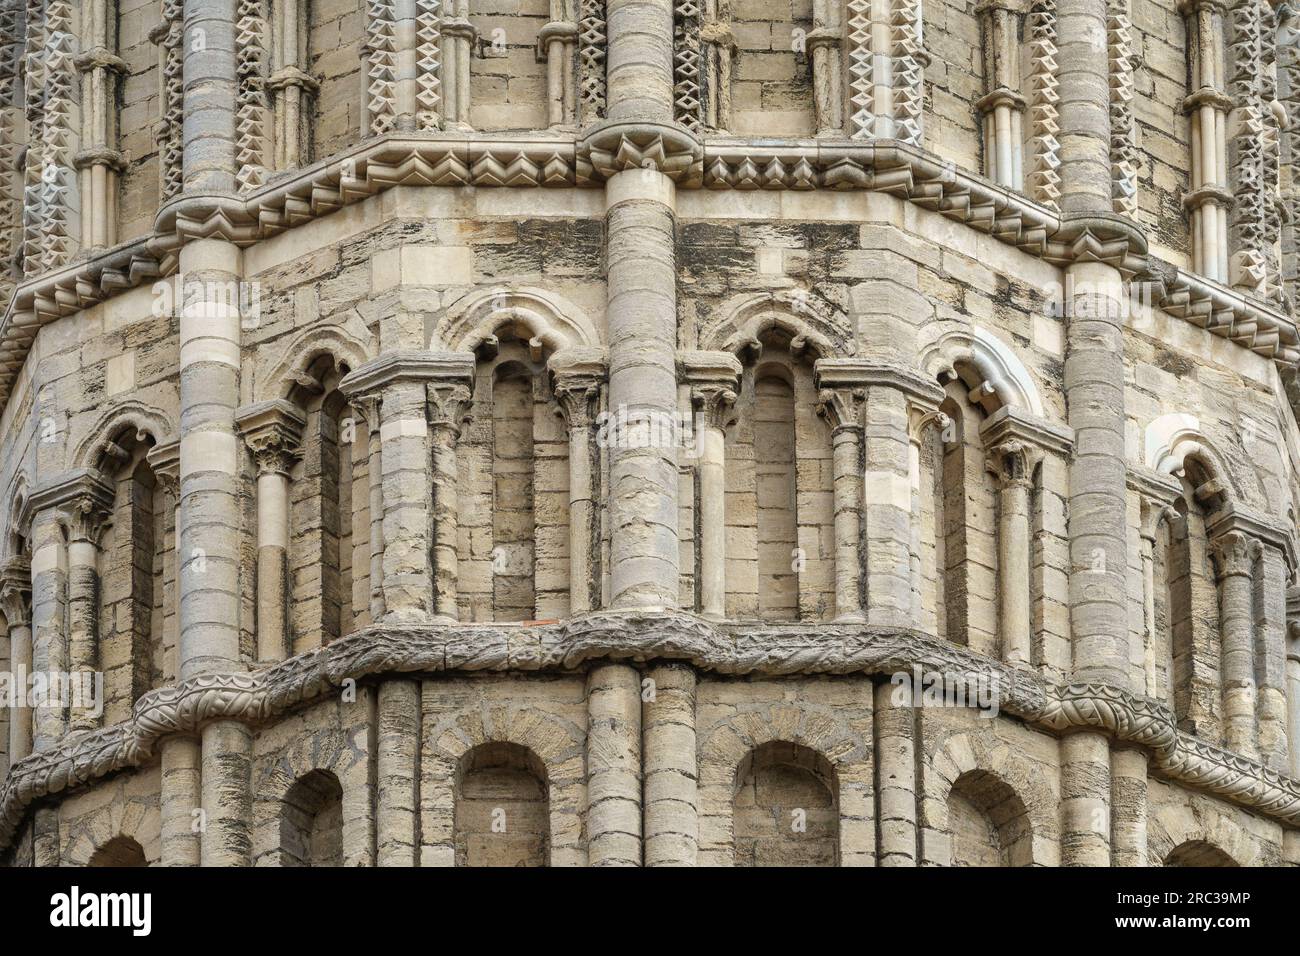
766, 651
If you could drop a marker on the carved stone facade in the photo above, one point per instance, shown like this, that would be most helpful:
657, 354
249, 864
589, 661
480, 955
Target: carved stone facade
650, 432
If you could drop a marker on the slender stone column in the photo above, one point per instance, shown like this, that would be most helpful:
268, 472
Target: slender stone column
842, 408
1235, 555
1157, 496
1017, 443
226, 794
1207, 107
1085, 799
180, 798
1012, 466
1128, 792
165, 460
1293, 678
824, 46
458, 38
1271, 713
714, 379
614, 765
49, 607
642, 387
398, 772
577, 385
291, 86
101, 162
895, 732
211, 94
671, 775
368, 406
86, 519
16, 600
273, 431
1002, 106
926, 617
449, 400
557, 44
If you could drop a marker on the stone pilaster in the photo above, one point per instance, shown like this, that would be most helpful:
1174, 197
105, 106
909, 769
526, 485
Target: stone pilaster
1293, 677
840, 401
273, 431
420, 396
671, 784
1128, 817
614, 798
398, 742
1016, 444
577, 381
16, 602
896, 812
49, 611
1086, 800
714, 380
179, 800
893, 401
1274, 563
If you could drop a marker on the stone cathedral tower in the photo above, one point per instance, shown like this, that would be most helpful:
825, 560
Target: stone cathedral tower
566, 432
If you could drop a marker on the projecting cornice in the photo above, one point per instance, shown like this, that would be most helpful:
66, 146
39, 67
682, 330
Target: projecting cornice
717, 162
721, 649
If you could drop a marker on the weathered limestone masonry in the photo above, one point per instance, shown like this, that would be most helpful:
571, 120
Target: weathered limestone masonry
650, 433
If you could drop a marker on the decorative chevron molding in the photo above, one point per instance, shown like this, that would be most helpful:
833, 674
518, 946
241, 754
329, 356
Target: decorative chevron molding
381, 65
592, 48
170, 128
60, 123
775, 650
908, 71
1123, 126
687, 65
252, 117
428, 64
1044, 180
12, 142
861, 80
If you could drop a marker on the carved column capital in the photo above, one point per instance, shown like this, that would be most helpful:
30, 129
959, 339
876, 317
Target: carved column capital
714, 380
82, 501
165, 460
576, 380
1234, 554
16, 591
273, 431
449, 403
1012, 463
842, 406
